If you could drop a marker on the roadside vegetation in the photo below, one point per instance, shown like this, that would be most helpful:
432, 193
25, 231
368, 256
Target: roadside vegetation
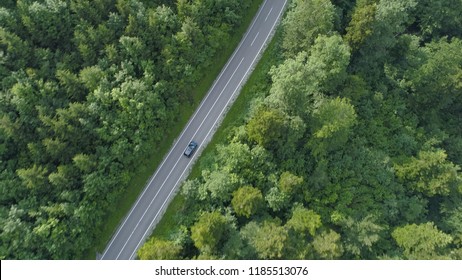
345, 144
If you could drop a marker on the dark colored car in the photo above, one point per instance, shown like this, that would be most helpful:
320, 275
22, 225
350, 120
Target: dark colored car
190, 149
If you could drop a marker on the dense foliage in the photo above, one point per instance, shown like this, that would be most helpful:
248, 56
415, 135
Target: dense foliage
351, 147
84, 85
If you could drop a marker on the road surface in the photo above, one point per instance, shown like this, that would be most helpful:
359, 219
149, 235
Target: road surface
151, 204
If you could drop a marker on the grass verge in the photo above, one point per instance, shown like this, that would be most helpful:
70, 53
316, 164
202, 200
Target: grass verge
152, 160
257, 82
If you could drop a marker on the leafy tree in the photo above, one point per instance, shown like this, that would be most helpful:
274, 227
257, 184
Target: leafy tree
422, 241
328, 62
379, 36
17, 53
189, 37
212, 13
360, 236
15, 235
92, 11
219, 185
157, 249
291, 89
439, 18
306, 20
48, 24
304, 221
435, 83
268, 239
430, 173
63, 177
209, 231
453, 225
236, 248
246, 201
34, 178
333, 121
393, 16
268, 128
91, 77
361, 24
84, 162
327, 245
277, 200
236, 157
299, 82
288, 182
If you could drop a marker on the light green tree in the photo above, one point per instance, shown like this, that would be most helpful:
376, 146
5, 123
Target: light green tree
209, 231
424, 241
304, 221
268, 239
430, 173
293, 90
327, 245
289, 182
246, 201
219, 185
306, 20
359, 236
34, 177
158, 249
328, 62
361, 24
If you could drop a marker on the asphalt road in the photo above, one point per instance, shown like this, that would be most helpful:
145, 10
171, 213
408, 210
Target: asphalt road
151, 204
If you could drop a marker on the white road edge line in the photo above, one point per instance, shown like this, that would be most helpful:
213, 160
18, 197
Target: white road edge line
251, 44
186, 127
268, 14
187, 166
178, 160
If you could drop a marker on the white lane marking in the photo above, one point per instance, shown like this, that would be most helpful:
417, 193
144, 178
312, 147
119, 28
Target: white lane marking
255, 38
173, 168
268, 14
194, 155
184, 130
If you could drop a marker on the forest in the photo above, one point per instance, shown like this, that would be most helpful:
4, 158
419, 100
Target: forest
85, 86
350, 147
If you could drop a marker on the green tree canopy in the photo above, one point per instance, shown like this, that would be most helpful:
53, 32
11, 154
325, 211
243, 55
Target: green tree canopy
268, 128
304, 221
158, 249
422, 242
430, 173
268, 239
209, 231
327, 245
361, 24
246, 201
333, 122
288, 182
304, 22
